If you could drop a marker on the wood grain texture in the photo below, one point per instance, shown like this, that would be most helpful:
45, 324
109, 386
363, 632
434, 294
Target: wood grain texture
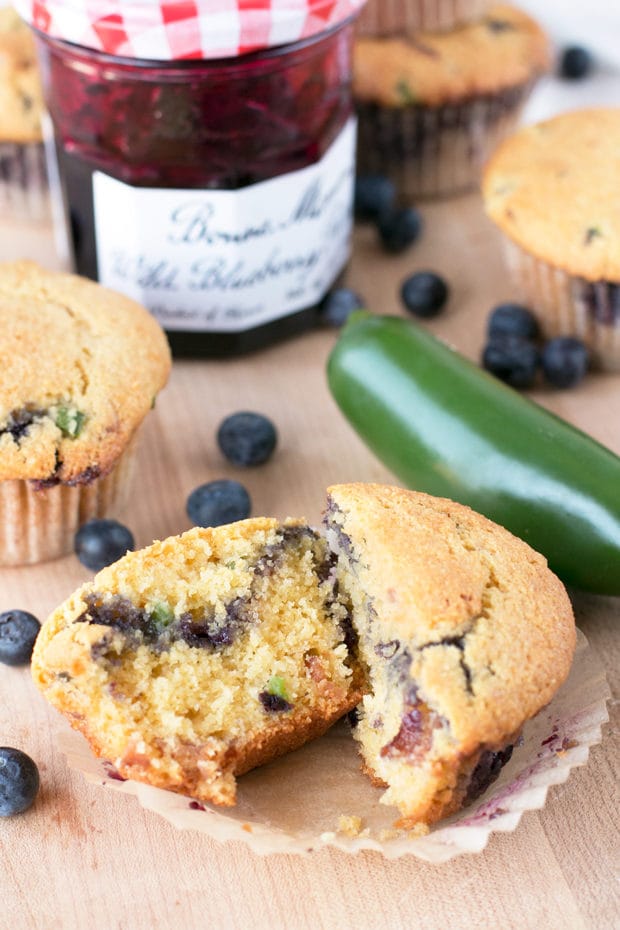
86, 857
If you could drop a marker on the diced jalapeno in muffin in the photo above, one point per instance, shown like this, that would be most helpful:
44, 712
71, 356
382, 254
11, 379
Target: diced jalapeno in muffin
162, 615
70, 421
277, 686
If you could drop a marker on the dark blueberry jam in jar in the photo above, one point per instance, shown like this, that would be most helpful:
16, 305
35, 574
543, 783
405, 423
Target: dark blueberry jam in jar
218, 190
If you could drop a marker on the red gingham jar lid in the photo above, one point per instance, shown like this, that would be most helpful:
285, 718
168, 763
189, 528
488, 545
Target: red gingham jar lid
168, 30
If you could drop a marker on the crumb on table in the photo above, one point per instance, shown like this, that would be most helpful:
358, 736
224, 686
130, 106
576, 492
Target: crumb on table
350, 825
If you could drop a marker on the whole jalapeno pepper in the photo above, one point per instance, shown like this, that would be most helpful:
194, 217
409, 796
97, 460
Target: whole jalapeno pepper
444, 426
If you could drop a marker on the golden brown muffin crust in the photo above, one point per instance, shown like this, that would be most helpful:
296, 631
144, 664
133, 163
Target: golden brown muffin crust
72, 349
21, 95
553, 189
505, 49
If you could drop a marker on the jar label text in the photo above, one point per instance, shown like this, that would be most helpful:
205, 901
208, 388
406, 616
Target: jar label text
227, 261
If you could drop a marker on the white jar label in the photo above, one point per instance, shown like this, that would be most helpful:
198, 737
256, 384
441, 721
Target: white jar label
226, 261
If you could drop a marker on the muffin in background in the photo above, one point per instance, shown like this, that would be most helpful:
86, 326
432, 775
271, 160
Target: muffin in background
432, 107
23, 177
81, 367
552, 189
393, 17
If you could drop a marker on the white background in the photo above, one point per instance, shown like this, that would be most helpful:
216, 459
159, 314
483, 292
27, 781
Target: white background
594, 24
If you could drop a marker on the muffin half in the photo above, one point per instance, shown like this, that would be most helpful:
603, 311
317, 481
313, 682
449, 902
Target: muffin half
203, 656
463, 631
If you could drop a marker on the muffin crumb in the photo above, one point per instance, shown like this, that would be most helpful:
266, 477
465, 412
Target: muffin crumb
350, 825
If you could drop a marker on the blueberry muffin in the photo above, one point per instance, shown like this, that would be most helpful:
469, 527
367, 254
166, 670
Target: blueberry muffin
432, 107
23, 180
192, 661
464, 634
200, 657
552, 191
81, 367
395, 17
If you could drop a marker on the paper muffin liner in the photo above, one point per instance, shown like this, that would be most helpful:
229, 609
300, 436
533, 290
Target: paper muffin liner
568, 305
24, 191
393, 17
318, 797
37, 525
436, 151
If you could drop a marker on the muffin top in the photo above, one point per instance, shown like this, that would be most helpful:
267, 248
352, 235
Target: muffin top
460, 594
553, 189
21, 97
81, 367
505, 49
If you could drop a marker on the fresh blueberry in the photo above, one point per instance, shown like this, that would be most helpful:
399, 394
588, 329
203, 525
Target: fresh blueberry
399, 228
338, 305
512, 360
18, 631
247, 438
19, 781
374, 195
564, 361
512, 320
424, 294
575, 63
218, 502
100, 542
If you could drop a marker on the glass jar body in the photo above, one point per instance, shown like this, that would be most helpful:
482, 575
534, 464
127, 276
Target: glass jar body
228, 156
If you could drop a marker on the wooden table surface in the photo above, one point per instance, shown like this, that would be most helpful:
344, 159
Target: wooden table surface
86, 857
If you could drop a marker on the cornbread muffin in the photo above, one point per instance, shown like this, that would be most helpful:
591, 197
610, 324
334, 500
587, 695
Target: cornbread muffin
395, 17
81, 367
552, 191
464, 634
194, 660
200, 657
23, 180
432, 107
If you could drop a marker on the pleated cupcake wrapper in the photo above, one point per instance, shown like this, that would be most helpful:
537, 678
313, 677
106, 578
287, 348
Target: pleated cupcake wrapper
297, 804
393, 17
39, 525
23, 182
436, 151
568, 305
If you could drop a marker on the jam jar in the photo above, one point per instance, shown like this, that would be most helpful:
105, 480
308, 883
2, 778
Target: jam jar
205, 153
